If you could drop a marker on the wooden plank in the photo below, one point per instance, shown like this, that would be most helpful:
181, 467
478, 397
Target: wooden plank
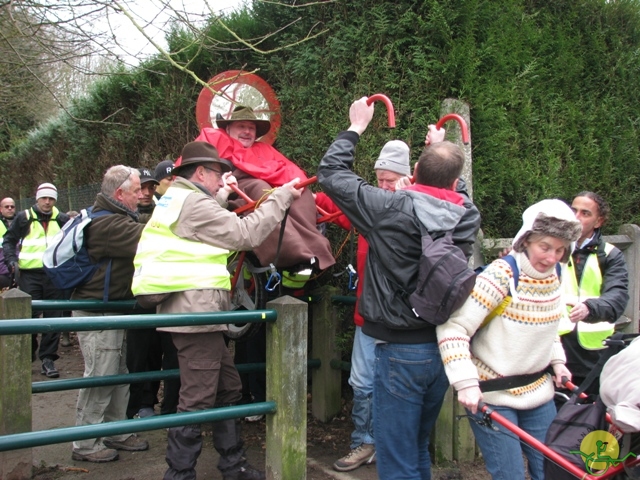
326, 382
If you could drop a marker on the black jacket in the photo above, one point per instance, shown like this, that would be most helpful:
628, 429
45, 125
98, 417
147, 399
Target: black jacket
20, 228
390, 222
608, 307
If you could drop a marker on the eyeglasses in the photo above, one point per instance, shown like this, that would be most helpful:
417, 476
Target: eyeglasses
9, 206
218, 172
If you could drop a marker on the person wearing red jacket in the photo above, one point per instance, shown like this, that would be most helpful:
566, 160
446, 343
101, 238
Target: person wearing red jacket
259, 168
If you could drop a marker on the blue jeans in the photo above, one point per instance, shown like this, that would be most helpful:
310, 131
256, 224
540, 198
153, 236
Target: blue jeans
502, 450
409, 386
363, 357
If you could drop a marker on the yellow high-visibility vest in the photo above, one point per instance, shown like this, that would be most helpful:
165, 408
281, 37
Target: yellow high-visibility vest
35, 242
165, 262
590, 335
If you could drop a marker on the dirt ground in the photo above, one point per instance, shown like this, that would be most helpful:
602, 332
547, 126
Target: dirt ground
326, 443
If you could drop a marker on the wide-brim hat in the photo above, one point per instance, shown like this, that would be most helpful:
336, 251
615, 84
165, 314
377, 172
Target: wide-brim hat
200, 152
243, 113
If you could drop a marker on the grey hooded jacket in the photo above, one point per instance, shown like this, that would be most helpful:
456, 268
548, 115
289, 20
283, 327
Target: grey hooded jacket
389, 222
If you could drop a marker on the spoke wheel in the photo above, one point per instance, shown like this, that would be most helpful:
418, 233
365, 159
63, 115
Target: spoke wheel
248, 294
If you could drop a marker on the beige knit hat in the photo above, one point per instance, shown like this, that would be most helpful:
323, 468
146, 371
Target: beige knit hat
47, 190
394, 157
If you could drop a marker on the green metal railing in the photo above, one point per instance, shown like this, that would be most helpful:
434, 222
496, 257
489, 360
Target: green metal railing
88, 305
82, 432
344, 299
141, 377
117, 322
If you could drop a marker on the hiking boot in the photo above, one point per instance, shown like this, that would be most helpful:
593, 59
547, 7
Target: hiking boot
101, 456
244, 473
65, 340
132, 444
49, 369
365, 453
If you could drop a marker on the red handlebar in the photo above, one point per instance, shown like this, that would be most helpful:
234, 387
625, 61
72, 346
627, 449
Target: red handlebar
384, 99
463, 125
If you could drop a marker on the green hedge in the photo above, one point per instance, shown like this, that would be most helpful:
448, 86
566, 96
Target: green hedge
552, 88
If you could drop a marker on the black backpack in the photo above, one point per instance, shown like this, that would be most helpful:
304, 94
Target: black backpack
445, 280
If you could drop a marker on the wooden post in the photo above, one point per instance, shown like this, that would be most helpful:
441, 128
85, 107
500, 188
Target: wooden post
453, 439
286, 456
15, 386
632, 257
326, 382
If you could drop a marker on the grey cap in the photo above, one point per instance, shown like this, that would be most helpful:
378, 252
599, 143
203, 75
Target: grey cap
394, 157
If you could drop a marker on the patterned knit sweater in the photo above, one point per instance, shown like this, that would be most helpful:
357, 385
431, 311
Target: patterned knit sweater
522, 340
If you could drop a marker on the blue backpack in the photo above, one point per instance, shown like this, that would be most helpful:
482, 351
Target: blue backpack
516, 276
66, 260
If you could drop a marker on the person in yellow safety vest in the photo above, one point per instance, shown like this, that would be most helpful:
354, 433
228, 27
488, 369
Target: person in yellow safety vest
7, 214
595, 288
32, 229
182, 255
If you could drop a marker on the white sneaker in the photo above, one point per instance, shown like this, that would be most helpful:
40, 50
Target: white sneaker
254, 418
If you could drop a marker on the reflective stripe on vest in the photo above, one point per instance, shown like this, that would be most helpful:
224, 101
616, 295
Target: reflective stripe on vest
590, 335
35, 242
165, 262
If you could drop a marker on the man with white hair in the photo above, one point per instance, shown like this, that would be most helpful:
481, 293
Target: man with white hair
33, 229
111, 239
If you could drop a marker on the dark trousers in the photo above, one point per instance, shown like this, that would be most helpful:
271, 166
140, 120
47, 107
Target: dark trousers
149, 350
208, 378
37, 284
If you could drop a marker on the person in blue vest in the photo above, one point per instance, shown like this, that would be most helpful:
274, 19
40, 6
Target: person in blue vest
596, 289
32, 229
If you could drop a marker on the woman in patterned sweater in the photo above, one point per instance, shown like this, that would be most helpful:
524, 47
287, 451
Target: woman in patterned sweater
522, 340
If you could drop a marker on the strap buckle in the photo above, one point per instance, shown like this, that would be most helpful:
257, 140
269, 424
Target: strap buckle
274, 279
353, 277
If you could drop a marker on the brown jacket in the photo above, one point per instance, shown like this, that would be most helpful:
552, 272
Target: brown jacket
302, 241
112, 237
202, 219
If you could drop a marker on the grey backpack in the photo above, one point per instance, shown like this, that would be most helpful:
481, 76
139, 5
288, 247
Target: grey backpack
445, 280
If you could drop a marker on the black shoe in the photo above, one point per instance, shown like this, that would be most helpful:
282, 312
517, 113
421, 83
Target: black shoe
49, 369
244, 473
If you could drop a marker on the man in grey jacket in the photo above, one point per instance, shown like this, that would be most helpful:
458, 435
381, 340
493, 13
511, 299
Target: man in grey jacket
183, 255
409, 378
